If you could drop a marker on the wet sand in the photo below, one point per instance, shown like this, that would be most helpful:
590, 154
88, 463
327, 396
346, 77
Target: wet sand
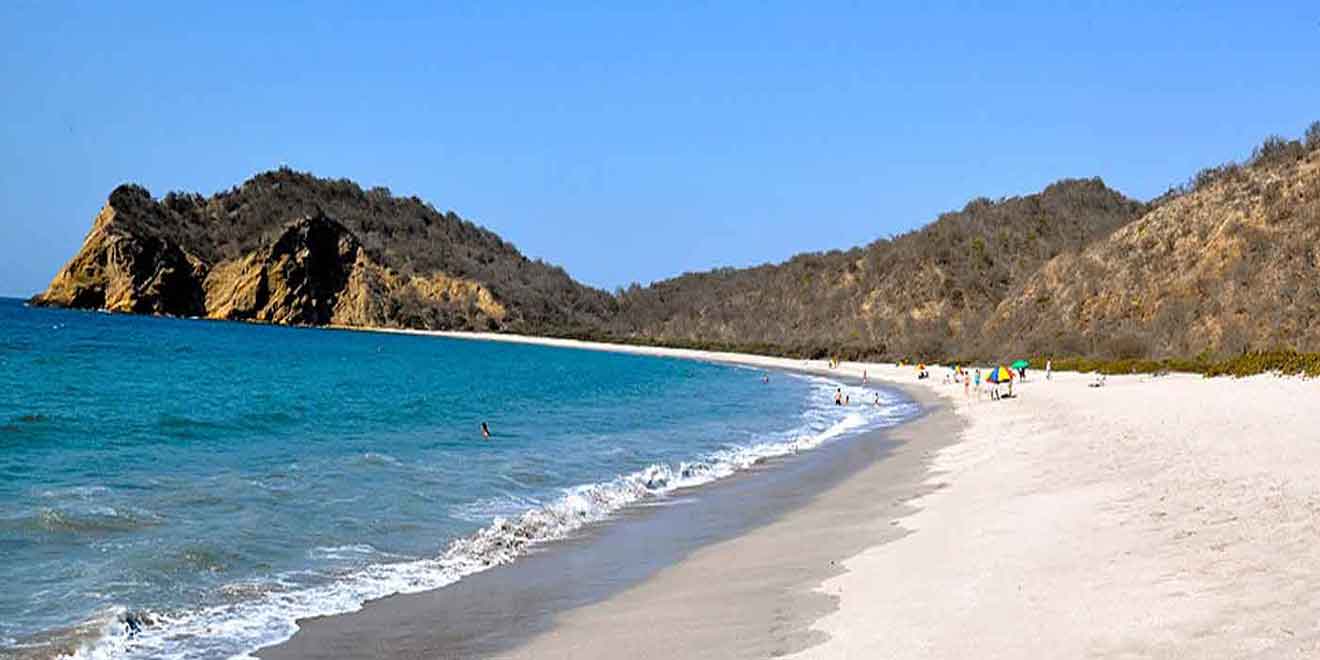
756, 595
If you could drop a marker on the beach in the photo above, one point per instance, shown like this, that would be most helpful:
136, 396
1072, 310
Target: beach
1170, 516
1154, 518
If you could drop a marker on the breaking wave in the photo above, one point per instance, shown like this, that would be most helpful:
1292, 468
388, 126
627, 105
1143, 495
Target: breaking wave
262, 614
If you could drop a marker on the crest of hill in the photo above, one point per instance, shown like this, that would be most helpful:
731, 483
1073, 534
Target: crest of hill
288, 247
928, 292
1226, 263
1230, 262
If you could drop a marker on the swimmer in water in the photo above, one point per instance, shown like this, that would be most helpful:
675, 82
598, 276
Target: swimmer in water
838, 396
485, 431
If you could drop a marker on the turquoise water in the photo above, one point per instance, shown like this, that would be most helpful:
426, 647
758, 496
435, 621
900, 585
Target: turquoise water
175, 488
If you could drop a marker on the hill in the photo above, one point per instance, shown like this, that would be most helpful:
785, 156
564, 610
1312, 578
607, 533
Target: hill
928, 292
1230, 263
286, 247
1223, 264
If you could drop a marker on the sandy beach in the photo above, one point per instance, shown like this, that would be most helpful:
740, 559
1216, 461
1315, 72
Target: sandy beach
1170, 517
1153, 517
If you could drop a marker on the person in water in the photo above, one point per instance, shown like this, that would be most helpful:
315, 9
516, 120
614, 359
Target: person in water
838, 396
485, 431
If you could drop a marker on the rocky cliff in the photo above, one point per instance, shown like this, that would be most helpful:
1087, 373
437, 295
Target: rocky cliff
289, 248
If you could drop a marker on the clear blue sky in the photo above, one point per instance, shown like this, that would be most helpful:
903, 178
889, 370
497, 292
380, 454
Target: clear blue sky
627, 143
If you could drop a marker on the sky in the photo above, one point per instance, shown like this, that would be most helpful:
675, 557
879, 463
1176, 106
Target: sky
635, 141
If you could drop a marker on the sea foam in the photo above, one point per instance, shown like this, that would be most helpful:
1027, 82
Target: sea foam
239, 628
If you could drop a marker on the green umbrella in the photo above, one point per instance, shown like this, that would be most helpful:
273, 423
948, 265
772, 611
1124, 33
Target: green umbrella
1020, 364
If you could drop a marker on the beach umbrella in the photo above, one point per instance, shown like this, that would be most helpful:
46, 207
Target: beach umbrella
1000, 374
1021, 364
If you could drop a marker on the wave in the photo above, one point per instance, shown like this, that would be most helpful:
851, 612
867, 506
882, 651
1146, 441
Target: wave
240, 627
85, 521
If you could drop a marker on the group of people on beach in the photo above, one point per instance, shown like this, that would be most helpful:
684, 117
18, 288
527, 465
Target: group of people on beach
971, 380
842, 398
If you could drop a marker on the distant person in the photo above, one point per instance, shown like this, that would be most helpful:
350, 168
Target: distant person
838, 396
978, 384
1049, 367
485, 431
847, 399
765, 379
865, 378
877, 399
967, 388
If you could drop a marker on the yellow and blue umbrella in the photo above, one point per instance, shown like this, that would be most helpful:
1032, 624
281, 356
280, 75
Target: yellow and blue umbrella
1000, 374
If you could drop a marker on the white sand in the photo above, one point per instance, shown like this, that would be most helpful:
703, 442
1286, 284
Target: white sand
1172, 517
1169, 517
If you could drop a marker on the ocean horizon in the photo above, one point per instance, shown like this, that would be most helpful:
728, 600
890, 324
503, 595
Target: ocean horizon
187, 488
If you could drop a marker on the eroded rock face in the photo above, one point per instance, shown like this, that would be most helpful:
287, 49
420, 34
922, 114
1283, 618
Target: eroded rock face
297, 280
122, 267
311, 270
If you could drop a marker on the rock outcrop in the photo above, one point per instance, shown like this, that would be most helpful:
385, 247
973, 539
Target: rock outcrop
297, 280
124, 266
270, 251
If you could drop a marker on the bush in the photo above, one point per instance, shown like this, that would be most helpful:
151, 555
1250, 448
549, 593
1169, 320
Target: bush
1313, 136
1277, 150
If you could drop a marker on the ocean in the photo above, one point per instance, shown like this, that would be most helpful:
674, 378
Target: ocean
188, 489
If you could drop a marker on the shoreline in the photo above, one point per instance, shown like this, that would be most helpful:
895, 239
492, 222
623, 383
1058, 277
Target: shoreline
405, 625
757, 594
1156, 516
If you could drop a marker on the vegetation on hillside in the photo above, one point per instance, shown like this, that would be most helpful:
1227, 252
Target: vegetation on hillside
924, 293
422, 268
1228, 265
1215, 268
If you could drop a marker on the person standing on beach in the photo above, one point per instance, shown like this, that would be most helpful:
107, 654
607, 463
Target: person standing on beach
978, 384
1049, 367
967, 387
